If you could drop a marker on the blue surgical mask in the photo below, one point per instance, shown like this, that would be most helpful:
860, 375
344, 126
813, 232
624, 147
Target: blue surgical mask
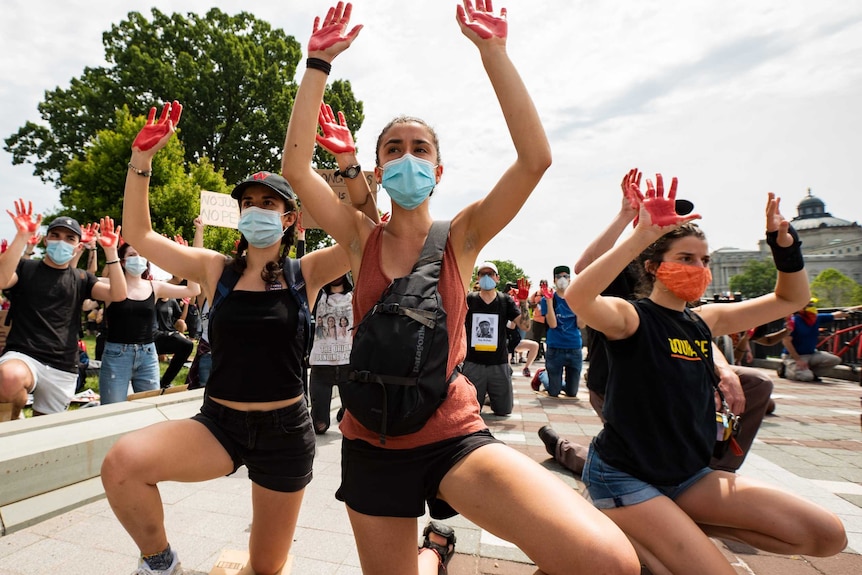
136, 265
409, 180
487, 283
261, 227
59, 251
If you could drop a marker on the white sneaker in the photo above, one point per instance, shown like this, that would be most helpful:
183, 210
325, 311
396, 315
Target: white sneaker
174, 569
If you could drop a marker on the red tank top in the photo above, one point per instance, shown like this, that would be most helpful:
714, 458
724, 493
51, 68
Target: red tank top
459, 413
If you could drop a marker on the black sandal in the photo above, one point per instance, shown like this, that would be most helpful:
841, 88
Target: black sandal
444, 553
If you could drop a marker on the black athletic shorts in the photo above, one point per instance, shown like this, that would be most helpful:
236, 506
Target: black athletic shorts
277, 447
399, 482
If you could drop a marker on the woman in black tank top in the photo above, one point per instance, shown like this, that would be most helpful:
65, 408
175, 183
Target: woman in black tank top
254, 412
648, 466
130, 352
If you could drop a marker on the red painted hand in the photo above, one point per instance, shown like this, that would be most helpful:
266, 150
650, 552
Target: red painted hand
547, 293
89, 233
23, 217
109, 237
300, 229
34, 241
481, 20
632, 197
661, 209
336, 138
180, 240
523, 289
158, 133
329, 37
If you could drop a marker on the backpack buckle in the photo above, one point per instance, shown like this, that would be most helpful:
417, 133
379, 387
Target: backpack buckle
392, 308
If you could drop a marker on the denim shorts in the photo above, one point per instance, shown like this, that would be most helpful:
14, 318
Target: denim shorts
277, 447
608, 487
399, 482
123, 363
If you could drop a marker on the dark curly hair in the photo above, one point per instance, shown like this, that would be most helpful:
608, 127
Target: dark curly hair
655, 254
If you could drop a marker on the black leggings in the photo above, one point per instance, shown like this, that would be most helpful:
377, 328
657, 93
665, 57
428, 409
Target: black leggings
181, 348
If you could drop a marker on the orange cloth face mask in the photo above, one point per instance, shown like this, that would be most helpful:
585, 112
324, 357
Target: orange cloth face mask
685, 282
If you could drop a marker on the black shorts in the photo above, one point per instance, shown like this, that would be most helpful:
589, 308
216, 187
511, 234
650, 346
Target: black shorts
277, 447
398, 482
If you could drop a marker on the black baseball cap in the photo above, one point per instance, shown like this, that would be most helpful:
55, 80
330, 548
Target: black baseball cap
66, 222
683, 207
268, 179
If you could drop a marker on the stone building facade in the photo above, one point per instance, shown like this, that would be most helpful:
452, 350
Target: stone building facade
827, 242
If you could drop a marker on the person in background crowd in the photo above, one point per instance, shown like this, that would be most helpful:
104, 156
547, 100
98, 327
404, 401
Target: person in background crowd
803, 361
564, 347
130, 354
41, 354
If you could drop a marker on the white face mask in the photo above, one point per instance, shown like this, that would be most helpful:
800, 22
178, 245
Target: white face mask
561, 283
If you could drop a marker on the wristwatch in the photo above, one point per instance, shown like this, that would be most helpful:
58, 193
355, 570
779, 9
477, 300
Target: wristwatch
350, 172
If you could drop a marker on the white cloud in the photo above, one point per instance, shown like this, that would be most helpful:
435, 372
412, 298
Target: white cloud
735, 98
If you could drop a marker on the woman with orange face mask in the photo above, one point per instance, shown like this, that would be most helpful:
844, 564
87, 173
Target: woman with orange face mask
649, 464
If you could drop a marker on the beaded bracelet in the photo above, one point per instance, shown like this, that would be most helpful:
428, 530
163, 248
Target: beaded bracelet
144, 173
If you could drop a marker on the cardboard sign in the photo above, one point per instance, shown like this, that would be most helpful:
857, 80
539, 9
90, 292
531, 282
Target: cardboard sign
232, 561
219, 210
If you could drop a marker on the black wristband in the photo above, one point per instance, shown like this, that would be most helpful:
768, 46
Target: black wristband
318, 64
787, 259
112, 262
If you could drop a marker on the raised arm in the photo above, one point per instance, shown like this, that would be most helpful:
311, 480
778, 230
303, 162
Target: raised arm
109, 239
607, 239
26, 225
615, 317
479, 222
181, 261
328, 39
791, 287
338, 141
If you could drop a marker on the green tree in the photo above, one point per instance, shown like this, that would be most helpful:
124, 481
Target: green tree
757, 278
233, 74
93, 184
834, 289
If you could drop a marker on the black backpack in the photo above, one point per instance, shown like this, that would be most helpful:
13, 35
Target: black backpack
400, 351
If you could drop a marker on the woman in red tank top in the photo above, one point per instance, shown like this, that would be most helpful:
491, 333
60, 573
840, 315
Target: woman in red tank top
452, 463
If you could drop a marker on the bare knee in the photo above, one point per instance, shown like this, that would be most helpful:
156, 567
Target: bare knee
121, 463
612, 553
15, 381
827, 538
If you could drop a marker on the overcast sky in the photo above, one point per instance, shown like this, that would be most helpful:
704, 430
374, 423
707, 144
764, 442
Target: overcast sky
736, 98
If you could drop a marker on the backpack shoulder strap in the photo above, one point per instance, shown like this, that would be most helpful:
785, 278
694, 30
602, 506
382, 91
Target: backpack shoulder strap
227, 281
435, 243
296, 283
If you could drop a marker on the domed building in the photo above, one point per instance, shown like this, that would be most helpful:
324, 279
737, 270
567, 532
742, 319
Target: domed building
827, 242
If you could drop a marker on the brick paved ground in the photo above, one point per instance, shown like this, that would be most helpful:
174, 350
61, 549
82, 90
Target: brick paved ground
811, 446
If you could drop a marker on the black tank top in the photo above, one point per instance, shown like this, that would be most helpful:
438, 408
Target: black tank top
256, 354
659, 407
131, 320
